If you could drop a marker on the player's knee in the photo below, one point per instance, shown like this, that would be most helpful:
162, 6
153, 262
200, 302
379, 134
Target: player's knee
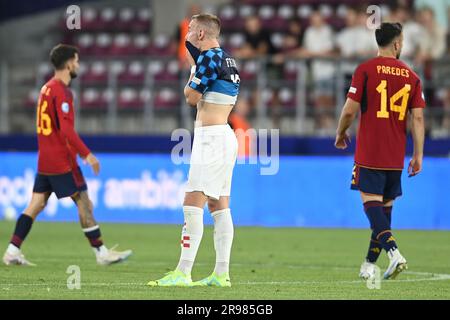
40, 205
35, 208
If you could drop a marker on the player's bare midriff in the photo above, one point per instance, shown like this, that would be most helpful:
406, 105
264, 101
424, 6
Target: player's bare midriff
210, 114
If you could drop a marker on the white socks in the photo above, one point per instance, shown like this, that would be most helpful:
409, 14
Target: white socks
191, 236
192, 233
12, 249
223, 239
100, 251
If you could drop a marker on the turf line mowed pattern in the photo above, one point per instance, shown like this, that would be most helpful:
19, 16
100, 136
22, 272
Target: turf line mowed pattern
267, 263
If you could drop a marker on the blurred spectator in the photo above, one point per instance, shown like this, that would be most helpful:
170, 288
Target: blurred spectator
180, 34
292, 42
413, 32
438, 7
432, 44
294, 36
238, 121
355, 40
257, 41
432, 47
318, 43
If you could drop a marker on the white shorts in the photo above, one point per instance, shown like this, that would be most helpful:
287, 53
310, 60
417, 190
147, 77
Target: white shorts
213, 156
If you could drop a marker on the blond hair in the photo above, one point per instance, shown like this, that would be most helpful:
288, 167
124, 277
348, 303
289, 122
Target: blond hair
210, 22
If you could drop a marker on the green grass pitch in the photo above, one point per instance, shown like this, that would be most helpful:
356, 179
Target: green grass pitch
267, 263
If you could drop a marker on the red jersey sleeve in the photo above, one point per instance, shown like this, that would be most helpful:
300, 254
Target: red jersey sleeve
358, 82
418, 99
65, 116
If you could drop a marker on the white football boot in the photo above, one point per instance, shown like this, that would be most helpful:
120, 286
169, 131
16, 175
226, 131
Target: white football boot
397, 263
112, 256
367, 270
17, 259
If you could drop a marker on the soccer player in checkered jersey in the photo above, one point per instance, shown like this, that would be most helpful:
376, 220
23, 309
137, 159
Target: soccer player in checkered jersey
213, 88
58, 170
385, 90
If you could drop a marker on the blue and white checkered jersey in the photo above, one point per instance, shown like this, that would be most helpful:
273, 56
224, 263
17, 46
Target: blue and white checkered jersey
216, 77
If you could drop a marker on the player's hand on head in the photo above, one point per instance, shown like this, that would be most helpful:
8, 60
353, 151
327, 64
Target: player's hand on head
415, 166
93, 162
341, 141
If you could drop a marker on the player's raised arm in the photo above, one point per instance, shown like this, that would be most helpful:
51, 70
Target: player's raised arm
204, 63
192, 96
348, 114
202, 77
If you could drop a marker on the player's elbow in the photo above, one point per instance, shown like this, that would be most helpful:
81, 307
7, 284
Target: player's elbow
348, 113
65, 130
418, 117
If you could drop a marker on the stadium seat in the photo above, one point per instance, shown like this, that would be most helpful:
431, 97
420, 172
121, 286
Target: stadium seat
133, 73
284, 14
267, 96
229, 18
32, 98
277, 40
143, 21
129, 98
117, 67
89, 19
91, 98
267, 16
45, 71
165, 71
122, 45
85, 43
145, 95
290, 70
160, 46
235, 41
103, 43
172, 69
96, 72
246, 11
303, 13
326, 10
125, 19
258, 3
156, 69
141, 44
341, 11
286, 96
249, 70
166, 98
107, 19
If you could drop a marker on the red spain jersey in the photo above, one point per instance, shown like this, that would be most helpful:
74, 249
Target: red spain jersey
387, 89
58, 142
